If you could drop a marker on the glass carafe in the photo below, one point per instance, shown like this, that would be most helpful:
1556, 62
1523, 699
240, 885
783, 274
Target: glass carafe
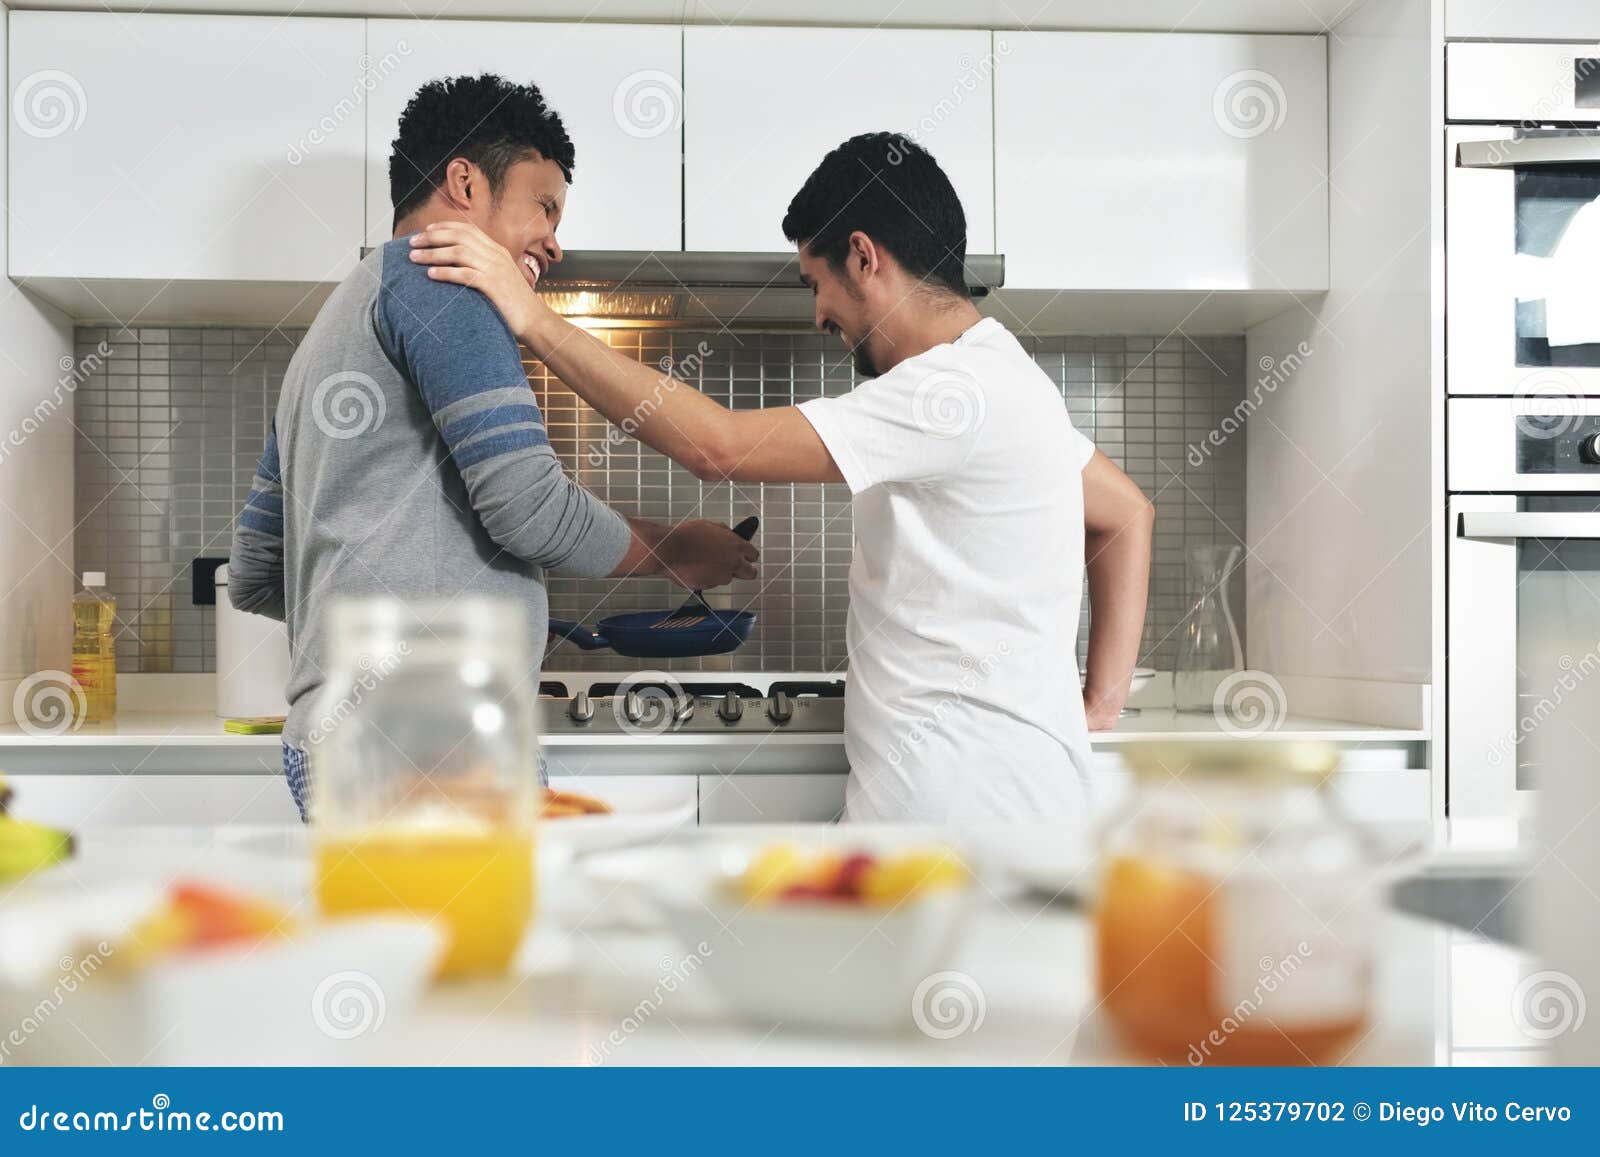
424, 761
1208, 648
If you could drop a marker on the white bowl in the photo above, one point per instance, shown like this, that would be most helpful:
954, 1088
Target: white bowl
816, 963
321, 998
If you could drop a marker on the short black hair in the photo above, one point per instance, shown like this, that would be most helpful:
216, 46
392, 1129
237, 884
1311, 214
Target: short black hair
890, 188
487, 119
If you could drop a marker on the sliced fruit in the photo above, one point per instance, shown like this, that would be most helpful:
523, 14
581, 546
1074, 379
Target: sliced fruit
774, 870
197, 917
26, 847
899, 877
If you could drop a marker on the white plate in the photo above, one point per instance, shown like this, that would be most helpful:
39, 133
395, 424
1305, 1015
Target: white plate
644, 809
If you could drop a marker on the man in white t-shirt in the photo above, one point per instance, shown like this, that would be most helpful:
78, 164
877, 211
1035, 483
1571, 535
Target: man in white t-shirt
974, 498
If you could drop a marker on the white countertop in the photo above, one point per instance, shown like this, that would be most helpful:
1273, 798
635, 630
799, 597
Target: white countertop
203, 729
575, 996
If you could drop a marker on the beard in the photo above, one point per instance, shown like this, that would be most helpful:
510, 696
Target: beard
863, 360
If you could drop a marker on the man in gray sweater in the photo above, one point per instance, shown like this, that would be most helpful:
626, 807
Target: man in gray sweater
408, 456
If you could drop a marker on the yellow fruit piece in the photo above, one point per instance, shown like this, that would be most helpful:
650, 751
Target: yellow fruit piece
27, 847
899, 877
776, 868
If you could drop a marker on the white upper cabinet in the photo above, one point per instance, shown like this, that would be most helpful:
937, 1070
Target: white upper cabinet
764, 104
184, 147
618, 88
1161, 161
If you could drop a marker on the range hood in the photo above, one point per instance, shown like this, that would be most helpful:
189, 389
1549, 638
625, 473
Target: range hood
676, 286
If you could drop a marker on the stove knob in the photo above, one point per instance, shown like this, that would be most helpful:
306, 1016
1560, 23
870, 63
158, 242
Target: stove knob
581, 710
632, 707
779, 709
684, 711
731, 708
1589, 449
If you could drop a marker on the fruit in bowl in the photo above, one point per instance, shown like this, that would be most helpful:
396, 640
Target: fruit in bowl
834, 937
783, 873
196, 973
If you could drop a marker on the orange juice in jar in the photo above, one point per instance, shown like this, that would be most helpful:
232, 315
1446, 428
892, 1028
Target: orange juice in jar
1234, 920
478, 886
424, 774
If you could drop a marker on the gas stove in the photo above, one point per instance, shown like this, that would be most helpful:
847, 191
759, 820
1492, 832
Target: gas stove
691, 704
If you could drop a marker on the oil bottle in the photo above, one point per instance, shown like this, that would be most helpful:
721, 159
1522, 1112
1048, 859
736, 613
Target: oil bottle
94, 653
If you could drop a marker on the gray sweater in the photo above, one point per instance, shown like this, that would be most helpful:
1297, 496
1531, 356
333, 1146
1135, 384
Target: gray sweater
408, 458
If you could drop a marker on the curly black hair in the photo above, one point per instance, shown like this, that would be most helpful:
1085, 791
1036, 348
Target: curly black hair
890, 188
487, 119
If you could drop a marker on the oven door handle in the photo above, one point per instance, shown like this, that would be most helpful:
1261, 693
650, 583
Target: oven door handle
1530, 152
1527, 524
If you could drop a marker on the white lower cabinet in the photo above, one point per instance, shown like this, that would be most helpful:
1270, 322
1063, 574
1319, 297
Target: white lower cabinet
771, 798
141, 800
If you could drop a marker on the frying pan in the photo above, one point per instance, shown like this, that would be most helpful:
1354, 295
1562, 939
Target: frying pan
639, 634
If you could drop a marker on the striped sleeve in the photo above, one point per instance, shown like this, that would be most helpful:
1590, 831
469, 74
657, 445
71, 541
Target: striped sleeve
255, 558
455, 348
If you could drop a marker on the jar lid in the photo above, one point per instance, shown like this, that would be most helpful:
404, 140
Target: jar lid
1260, 759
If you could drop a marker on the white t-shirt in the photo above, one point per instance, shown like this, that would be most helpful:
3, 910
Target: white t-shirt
963, 701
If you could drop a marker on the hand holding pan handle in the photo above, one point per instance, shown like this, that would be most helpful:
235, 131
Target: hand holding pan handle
690, 614
587, 638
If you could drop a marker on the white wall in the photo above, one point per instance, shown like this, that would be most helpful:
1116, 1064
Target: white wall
1339, 503
35, 469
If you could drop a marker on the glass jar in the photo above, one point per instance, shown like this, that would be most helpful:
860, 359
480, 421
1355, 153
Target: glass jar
1236, 911
425, 782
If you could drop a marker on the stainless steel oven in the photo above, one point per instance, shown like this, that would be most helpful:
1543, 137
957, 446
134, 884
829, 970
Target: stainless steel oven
1522, 219
1523, 618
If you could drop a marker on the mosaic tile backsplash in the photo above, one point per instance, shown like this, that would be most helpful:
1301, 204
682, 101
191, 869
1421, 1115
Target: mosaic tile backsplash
171, 422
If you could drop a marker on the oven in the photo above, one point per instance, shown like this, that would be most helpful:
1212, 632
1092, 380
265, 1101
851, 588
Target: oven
1522, 220
1523, 614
